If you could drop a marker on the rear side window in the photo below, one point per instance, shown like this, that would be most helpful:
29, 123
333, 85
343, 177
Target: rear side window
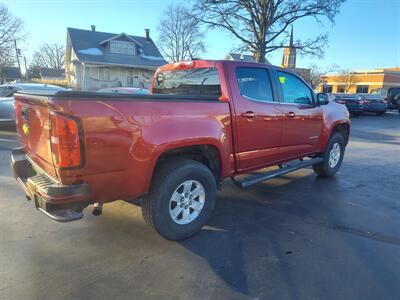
294, 90
254, 84
193, 82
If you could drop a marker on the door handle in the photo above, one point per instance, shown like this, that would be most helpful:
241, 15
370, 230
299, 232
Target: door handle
248, 114
290, 115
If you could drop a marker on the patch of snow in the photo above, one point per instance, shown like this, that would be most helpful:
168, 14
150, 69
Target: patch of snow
141, 54
91, 51
151, 57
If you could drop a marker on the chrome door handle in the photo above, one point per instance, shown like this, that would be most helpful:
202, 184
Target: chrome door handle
248, 114
290, 115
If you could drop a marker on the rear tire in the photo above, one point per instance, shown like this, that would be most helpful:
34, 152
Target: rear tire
181, 199
333, 157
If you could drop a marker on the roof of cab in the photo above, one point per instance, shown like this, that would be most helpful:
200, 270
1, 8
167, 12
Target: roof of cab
212, 63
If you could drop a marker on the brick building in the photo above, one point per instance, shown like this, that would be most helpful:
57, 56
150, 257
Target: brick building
362, 81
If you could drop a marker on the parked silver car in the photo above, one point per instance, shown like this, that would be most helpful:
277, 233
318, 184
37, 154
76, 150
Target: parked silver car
7, 101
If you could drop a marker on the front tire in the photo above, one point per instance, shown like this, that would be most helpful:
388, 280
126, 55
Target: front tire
333, 157
181, 199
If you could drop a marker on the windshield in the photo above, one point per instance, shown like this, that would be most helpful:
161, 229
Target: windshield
197, 82
7, 91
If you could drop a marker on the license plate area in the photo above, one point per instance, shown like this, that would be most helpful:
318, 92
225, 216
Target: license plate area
39, 202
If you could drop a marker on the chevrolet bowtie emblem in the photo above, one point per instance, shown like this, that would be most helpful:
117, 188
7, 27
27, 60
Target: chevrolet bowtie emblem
25, 129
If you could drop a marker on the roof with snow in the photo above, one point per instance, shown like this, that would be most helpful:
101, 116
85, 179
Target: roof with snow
243, 57
92, 47
52, 73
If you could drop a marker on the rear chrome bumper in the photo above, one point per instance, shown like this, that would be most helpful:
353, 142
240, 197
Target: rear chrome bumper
60, 202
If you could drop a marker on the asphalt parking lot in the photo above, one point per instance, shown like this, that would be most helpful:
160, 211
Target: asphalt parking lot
296, 237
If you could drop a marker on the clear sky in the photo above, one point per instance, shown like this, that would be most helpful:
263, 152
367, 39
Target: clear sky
366, 34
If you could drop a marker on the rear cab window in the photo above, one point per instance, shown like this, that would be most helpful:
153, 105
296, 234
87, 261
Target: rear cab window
192, 81
254, 84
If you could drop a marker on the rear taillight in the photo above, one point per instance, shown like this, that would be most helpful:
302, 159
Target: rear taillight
65, 141
341, 101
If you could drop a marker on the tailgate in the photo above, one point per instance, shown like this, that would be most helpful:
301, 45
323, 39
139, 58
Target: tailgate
33, 125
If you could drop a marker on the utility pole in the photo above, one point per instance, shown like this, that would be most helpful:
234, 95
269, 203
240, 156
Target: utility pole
17, 54
26, 69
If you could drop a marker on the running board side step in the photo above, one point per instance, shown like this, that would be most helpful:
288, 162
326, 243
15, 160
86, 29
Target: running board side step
248, 181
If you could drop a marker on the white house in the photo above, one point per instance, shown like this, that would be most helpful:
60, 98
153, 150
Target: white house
95, 60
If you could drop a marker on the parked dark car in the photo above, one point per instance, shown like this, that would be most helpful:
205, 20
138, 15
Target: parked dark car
353, 102
374, 104
391, 95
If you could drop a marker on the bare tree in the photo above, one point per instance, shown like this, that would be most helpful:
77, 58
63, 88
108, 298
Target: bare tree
49, 56
317, 73
180, 37
261, 25
347, 79
10, 29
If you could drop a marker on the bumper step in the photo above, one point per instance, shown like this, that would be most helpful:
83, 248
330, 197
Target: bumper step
62, 203
250, 180
64, 215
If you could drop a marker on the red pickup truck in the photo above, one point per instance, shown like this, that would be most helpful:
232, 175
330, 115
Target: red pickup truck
204, 121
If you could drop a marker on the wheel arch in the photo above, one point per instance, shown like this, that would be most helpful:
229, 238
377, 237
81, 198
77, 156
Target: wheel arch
341, 126
343, 129
207, 154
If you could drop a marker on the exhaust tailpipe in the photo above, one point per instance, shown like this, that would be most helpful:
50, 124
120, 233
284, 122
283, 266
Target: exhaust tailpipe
97, 209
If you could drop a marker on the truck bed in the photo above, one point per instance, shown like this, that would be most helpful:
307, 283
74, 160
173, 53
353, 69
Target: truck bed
122, 135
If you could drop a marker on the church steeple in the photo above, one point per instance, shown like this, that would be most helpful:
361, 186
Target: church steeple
291, 39
289, 54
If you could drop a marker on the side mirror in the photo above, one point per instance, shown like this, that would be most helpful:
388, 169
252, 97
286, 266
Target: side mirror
322, 99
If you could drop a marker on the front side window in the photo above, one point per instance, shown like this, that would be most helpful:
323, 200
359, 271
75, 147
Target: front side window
294, 90
193, 82
254, 84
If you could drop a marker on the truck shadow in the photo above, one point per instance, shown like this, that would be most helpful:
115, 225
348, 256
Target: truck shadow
247, 239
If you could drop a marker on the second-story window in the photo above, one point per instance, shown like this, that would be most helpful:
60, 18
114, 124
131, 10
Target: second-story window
122, 47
